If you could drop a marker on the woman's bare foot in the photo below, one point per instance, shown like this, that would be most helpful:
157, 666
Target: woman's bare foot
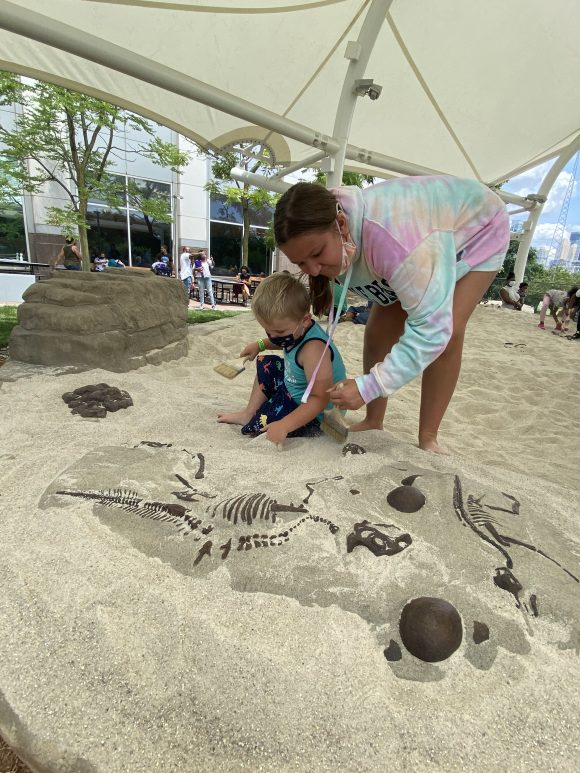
362, 426
431, 444
239, 417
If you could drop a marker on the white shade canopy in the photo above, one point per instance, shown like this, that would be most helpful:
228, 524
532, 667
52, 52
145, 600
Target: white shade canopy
470, 88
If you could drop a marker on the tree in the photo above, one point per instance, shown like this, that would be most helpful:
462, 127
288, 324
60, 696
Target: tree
348, 178
533, 269
252, 158
69, 139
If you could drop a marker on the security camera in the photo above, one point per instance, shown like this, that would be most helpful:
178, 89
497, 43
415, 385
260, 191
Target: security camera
367, 87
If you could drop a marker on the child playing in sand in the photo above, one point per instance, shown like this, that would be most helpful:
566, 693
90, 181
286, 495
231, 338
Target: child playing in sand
276, 406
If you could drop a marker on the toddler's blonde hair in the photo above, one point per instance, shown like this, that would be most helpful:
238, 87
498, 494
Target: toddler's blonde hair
280, 296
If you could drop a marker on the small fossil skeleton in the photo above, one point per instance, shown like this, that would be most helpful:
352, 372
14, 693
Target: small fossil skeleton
474, 515
178, 515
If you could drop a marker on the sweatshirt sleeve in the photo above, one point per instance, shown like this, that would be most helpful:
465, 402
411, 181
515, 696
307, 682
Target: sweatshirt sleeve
425, 284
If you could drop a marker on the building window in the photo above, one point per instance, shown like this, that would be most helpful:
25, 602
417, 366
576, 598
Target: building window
226, 247
12, 236
140, 245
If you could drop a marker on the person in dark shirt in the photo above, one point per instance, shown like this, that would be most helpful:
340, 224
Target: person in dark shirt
244, 276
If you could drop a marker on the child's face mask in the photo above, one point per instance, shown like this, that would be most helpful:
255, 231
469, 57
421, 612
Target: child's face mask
287, 341
511, 284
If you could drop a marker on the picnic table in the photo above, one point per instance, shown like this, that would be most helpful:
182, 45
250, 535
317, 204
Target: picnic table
10, 266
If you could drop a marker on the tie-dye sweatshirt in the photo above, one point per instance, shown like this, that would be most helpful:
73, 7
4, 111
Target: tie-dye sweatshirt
416, 237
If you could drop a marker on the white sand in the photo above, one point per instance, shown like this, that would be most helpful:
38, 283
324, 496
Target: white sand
118, 654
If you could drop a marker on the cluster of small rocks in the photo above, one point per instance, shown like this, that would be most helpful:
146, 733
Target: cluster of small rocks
94, 400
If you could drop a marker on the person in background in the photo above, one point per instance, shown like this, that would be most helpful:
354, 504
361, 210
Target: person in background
69, 256
522, 292
115, 263
569, 309
508, 294
576, 336
244, 277
357, 314
553, 300
101, 262
185, 270
160, 268
203, 280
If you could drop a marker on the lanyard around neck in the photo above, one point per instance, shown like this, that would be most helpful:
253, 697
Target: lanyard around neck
331, 327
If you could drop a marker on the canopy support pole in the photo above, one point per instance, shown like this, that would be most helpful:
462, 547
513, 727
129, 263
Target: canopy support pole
308, 161
358, 53
259, 180
532, 221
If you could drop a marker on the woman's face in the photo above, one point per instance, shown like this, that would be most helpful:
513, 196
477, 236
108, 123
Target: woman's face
316, 252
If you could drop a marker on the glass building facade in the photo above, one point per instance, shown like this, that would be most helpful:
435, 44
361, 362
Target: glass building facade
226, 231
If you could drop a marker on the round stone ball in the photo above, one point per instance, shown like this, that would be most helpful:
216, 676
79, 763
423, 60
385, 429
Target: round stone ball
430, 628
406, 499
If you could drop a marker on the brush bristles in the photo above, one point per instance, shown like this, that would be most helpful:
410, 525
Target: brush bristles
333, 425
227, 371
338, 435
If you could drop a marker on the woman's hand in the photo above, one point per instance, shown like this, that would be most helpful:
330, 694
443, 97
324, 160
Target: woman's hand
275, 432
345, 394
250, 351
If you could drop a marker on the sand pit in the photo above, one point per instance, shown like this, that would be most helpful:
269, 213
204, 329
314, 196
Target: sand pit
178, 597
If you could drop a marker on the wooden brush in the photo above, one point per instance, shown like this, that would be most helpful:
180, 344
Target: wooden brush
333, 425
231, 370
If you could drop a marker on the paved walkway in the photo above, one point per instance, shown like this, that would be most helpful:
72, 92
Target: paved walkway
220, 306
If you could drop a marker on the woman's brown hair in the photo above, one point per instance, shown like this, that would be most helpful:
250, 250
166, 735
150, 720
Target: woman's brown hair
307, 207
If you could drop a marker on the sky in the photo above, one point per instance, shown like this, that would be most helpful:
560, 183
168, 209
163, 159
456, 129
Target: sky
530, 182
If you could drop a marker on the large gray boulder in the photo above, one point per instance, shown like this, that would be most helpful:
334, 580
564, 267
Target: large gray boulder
116, 321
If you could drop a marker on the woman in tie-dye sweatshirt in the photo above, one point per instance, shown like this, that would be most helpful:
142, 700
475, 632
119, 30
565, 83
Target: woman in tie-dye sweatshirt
424, 250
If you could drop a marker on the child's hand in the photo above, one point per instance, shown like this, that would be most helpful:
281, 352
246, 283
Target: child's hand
275, 433
250, 351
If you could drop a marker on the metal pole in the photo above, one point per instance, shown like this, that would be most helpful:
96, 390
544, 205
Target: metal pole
532, 221
259, 180
358, 53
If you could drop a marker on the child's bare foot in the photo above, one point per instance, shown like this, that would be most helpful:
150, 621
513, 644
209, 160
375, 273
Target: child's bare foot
238, 417
362, 426
431, 444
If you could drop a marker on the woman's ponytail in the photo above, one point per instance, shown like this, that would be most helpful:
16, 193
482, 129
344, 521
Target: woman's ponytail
321, 296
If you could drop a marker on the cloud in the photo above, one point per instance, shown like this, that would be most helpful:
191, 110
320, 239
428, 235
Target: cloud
530, 182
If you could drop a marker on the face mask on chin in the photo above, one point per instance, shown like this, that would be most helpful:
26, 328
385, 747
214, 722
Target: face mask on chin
348, 250
511, 284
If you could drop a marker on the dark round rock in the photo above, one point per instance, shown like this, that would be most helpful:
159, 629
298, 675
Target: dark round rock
68, 396
393, 652
112, 405
430, 628
406, 499
480, 632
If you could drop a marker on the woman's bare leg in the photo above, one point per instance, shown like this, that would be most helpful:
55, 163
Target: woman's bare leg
440, 378
383, 330
257, 398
